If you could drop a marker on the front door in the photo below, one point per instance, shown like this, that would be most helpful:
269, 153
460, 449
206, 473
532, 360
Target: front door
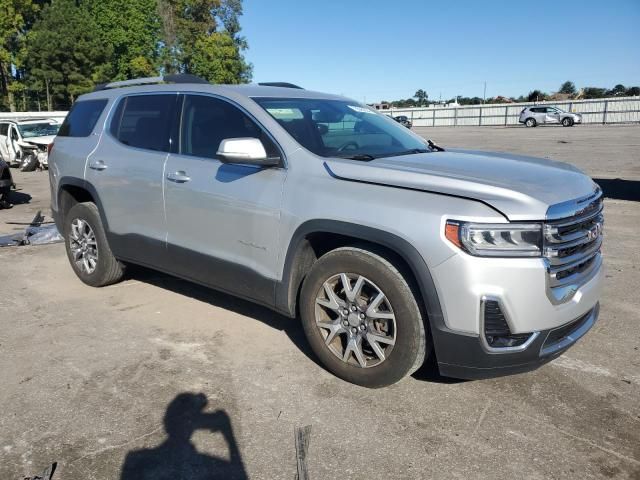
127, 171
552, 115
222, 219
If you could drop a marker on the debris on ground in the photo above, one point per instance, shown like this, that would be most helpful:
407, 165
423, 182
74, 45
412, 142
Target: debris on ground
38, 232
46, 475
303, 435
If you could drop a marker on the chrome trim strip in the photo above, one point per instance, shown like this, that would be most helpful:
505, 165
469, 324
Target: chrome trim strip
562, 293
483, 340
574, 336
573, 208
564, 263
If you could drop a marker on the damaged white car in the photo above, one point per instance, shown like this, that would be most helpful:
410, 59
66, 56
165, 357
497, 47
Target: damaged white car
25, 143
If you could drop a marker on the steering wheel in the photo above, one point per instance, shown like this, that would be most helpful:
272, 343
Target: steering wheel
345, 146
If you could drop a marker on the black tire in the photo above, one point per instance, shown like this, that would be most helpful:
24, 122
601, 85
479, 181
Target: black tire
530, 122
108, 269
29, 163
411, 341
567, 122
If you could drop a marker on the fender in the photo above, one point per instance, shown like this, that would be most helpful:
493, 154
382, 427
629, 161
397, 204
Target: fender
293, 275
85, 185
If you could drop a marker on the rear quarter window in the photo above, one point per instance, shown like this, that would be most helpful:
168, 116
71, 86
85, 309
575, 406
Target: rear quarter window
82, 118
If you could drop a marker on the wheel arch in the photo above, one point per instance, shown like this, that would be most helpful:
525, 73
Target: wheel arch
73, 190
316, 237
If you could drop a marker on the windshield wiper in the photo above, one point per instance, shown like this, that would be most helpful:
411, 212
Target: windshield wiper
405, 152
359, 156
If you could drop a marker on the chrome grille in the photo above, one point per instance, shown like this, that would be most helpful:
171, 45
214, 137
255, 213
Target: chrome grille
572, 247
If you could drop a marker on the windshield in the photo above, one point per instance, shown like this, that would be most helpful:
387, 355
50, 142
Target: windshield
338, 128
31, 130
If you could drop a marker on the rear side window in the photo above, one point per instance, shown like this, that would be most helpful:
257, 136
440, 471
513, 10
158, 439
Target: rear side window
82, 118
144, 121
206, 121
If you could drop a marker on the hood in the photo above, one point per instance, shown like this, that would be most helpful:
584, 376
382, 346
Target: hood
521, 188
45, 140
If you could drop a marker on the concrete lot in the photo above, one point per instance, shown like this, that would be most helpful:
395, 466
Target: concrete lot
162, 372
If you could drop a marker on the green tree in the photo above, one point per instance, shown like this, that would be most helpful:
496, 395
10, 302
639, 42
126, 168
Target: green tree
15, 18
618, 91
568, 88
66, 53
421, 96
195, 31
594, 92
131, 30
633, 91
536, 96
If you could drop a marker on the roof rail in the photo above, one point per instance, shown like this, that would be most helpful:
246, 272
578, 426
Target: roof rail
179, 78
279, 84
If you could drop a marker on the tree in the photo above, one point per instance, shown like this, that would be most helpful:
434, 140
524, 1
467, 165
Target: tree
15, 17
536, 96
618, 91
189, 25
568, 88
66, 53
131, 30
633, 91
421, 96
594, 92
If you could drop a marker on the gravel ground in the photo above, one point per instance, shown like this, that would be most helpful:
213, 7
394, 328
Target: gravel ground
158, 372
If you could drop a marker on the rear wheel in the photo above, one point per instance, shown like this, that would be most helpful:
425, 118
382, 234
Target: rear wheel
87, 247
361, 318
530, 122
567, 122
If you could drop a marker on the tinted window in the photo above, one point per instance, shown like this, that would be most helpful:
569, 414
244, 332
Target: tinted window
4, 128
82, 118
206, 121
144, 121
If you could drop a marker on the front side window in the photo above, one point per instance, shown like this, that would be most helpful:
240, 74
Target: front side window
31, 130
144, 121
338, 128
82, 118
206, 121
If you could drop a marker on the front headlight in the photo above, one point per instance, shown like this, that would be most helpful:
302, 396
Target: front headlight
496, 240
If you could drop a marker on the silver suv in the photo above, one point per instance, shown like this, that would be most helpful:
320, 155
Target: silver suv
389, 249
540, 115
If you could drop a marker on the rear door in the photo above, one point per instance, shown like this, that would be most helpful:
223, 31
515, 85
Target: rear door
222, 219
127, 171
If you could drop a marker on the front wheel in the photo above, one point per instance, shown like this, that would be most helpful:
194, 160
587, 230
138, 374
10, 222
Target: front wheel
361, 318
87, 247
567, 122
530, 122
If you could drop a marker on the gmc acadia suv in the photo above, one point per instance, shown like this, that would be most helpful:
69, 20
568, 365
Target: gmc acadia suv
389, 249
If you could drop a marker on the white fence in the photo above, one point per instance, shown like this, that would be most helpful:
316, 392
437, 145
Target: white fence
32, 115
602, 111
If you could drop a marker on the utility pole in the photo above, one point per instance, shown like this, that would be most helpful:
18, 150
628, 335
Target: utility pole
484, 95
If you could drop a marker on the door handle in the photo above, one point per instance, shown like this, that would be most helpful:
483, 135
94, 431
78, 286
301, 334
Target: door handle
98, 165
178, 177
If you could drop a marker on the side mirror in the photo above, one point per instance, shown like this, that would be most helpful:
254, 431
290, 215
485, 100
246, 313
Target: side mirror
247, 151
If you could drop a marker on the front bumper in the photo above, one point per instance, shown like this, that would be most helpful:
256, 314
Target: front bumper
463, 356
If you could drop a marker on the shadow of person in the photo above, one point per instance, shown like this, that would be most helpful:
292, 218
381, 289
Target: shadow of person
177, 458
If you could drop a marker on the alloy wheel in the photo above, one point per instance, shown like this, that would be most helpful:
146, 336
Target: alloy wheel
83, 246
355, 319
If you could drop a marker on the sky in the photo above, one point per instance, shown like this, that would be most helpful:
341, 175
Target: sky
386, 50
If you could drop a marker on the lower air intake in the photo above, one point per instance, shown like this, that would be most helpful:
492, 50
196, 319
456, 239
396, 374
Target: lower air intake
496, 328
